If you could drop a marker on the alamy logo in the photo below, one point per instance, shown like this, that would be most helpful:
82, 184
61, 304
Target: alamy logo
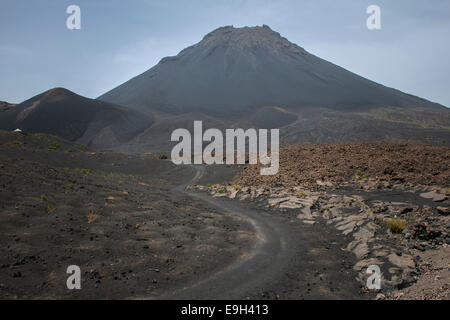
73, 22
213, 152
374, 280
374, 20
74, 280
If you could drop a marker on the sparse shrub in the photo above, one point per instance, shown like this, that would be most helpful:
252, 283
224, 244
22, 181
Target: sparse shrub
83, 170
237, 187
54, 147
397, 225
50, 207
220, 191
208, 185
361, 174
92, 217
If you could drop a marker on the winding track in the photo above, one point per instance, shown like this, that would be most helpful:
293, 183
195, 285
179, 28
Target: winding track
264, 263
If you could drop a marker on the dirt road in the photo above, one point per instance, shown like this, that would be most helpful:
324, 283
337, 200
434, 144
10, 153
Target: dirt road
285, 262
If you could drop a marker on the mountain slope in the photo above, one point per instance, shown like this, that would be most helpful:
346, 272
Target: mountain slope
240, 68
253, 77
63, 113
4, 106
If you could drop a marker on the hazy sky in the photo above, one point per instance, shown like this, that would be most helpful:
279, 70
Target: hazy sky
121, 39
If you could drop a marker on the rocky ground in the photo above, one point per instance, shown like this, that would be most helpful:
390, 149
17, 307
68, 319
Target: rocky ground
364, 165
389, 200
126, 221
116, 216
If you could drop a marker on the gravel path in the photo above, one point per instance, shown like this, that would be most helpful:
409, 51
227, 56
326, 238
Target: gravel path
283, 264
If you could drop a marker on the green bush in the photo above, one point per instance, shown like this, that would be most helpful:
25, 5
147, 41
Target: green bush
50, 207
397, 225
54, 147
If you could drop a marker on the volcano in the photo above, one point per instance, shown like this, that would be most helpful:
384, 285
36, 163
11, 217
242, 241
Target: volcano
239, 69
65, 114
253, 77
